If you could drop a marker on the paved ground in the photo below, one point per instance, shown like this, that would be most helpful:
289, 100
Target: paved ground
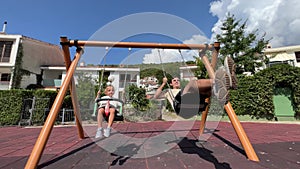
156, 145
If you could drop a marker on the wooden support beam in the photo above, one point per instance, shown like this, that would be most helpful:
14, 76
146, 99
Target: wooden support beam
233, 118
204, 117
241, 133
41, 142
138, 45
75, 104
213, 65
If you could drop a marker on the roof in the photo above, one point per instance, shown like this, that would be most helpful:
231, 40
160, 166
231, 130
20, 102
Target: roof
39, 41
282, 49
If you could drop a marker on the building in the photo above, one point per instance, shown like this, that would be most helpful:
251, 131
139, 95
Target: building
21, 59
29, 63
280, 55
187, 72
286, 55
122, 76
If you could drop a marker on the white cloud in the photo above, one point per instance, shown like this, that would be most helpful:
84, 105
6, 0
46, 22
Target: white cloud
171, 55
196, 39
161, 56
279, 19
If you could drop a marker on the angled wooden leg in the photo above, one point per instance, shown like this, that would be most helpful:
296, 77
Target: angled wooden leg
66, 52
210, 67
207, 100
231, 114
76, 109
41, 141
204, 117
241, 133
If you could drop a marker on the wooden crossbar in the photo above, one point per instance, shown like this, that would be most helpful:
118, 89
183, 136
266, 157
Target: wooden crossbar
138, 45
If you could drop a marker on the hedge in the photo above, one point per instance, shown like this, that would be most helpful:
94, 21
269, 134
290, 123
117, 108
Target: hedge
11, 105
254, 96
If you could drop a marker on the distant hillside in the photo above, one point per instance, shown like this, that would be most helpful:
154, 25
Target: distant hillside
169, 68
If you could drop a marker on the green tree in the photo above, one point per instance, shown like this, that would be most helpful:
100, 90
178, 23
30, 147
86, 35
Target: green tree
158, 73
137, 96
104, 79
200, 72
85, 90
244, 48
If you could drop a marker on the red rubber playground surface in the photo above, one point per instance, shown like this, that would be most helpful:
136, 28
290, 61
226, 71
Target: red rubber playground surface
277, 145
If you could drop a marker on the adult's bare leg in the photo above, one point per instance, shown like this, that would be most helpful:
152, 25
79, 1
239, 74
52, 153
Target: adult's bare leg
202, 86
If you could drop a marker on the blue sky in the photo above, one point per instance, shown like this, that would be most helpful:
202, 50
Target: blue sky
48, 20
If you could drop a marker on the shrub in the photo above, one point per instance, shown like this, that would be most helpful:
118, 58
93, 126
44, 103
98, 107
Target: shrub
138, 99
11, 105
254, 96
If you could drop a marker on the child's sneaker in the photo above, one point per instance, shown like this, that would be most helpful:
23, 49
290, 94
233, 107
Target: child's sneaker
99, 133
221, 86
107, 132
230, 68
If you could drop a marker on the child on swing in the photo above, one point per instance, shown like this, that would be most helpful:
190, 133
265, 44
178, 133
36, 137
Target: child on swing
107, 108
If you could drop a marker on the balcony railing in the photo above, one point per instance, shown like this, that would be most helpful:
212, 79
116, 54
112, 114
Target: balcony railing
52, 82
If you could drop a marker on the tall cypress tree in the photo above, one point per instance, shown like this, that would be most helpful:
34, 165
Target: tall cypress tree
244, 48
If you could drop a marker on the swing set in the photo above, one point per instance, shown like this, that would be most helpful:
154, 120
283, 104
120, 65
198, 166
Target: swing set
69, 83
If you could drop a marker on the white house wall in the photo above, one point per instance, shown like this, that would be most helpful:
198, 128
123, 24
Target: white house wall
94, 73
8, 67
52, 74
4, 85
115, 83
283, 57
26, 80
286, 53
186, 72
14, 50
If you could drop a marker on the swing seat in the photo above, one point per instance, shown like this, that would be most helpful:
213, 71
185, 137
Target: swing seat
119, 109
189, 104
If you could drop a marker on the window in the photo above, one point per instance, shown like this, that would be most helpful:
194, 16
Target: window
5, 49
122, 80
297, 56
5, 78
122, 77
278, 62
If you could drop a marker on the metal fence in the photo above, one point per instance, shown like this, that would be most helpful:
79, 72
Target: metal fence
66, 116
30, 108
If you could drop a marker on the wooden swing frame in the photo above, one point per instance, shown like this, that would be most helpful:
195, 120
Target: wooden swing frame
69, 83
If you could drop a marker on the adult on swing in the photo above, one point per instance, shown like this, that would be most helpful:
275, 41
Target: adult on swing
225, 79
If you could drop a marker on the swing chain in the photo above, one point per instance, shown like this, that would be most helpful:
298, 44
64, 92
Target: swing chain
165, 75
